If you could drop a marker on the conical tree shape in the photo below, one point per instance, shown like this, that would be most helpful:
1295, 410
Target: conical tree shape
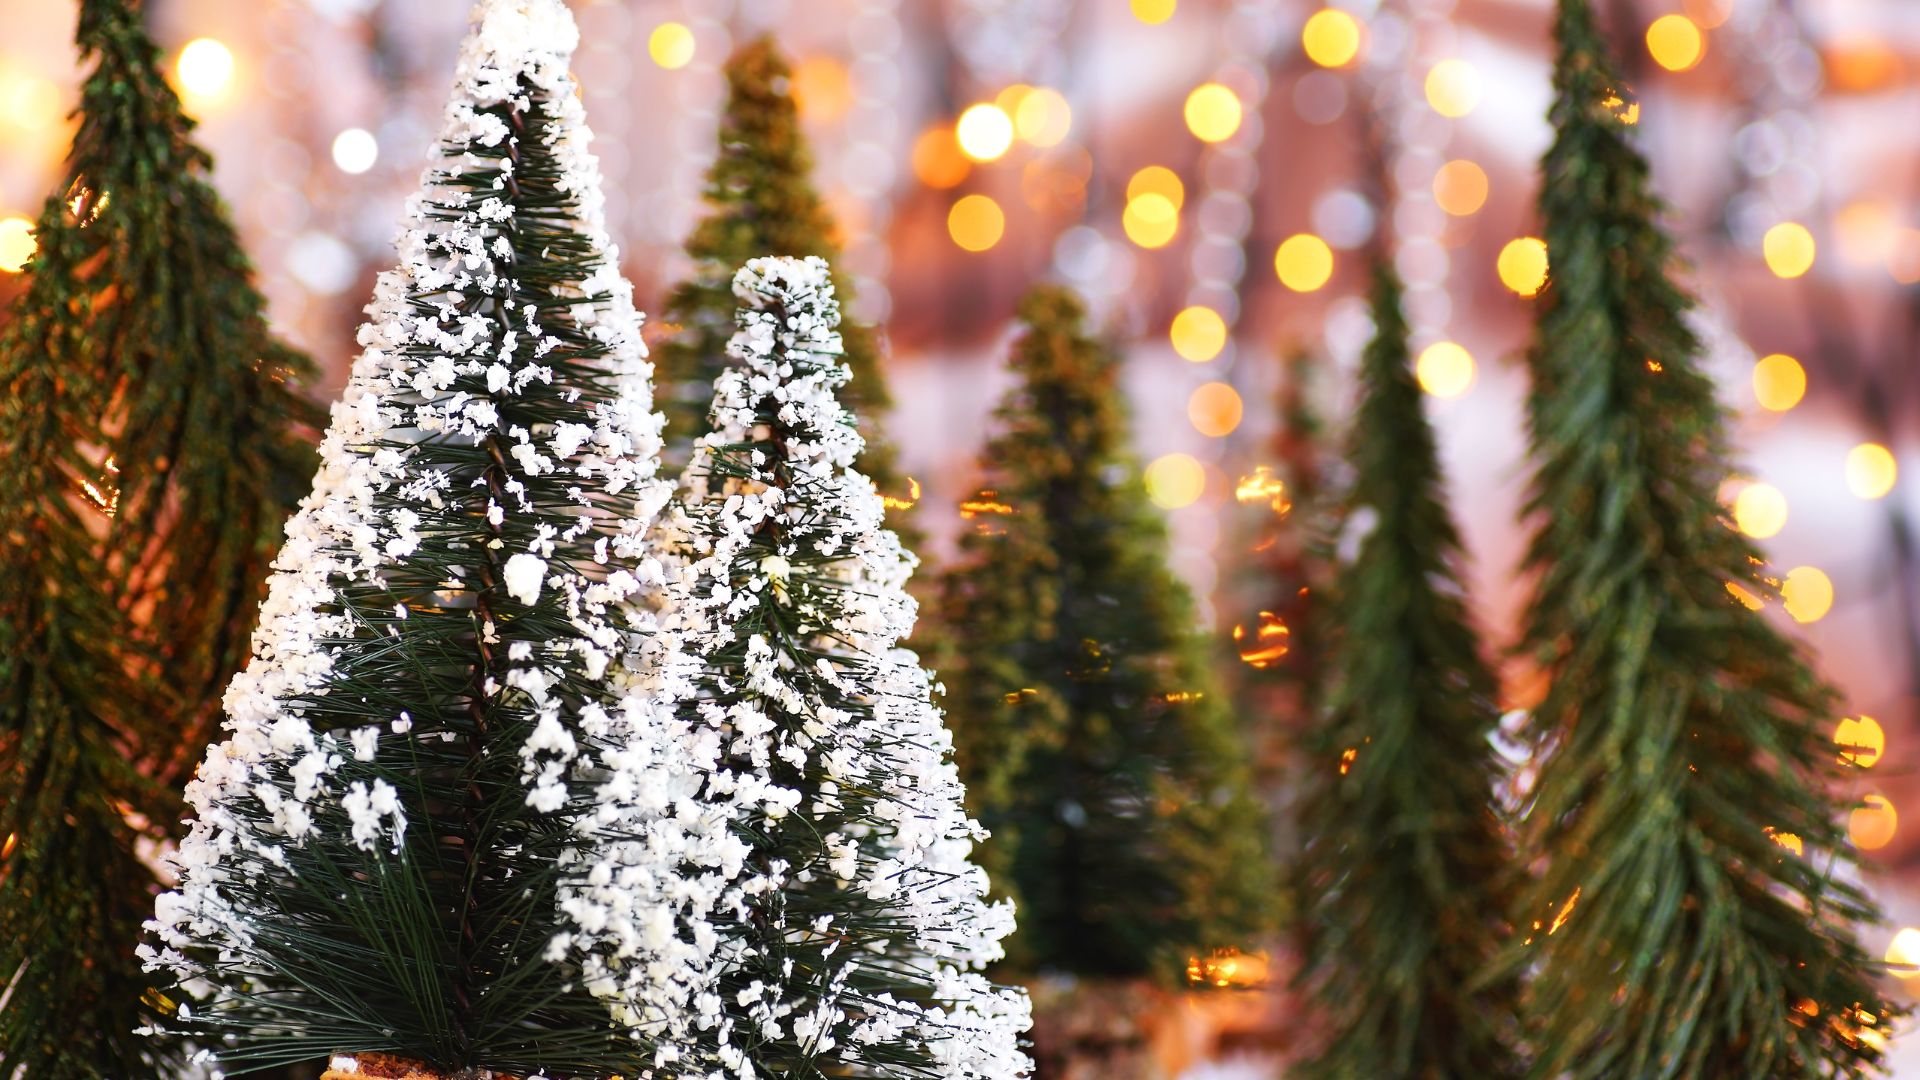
444, 669
835, 926
1694, 917
1404, 864
1099, 753
761, 201
154, 439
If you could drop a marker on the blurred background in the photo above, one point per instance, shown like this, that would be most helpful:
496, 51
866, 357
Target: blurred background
1209, 173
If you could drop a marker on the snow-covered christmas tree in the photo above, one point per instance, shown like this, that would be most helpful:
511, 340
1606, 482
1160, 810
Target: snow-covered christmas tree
841, 926
450, 656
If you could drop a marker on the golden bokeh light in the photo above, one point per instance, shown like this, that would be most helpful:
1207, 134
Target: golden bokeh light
1871, 471
1043, 118
1523, 265
1460, 187
1808, 593
976, 222
1708, 14
1331, 38
29, 102
1749, 599
937, 159
1861, 740
1304, 262
1759, 510
1444, 369
1675, 42
1215, 409
1788, 248
1453, 88
1158, 180
1213, 113
1198, 334
1790, 841
1903, 953
16, 244
1266, 644
1262, 486
1873, 825
1154, 12
984, 131
1779, 382
822, 88
1175, 480
1151, 221
205, 68
671, 45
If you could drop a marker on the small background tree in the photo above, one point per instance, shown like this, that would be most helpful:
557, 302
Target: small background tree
762, 201
1694, 914
155, 438
1405, 864
1093, 738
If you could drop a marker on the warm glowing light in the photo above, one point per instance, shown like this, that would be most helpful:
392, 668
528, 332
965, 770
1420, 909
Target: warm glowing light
1215, 409
1523, 265
1566, 912
1760, 511
1213, 113
1808, 593
1175, 480
1228, 967
1158, 180
1707, 14
1460, 187
1871, 827
976, 223
1269, 641
1154, 12
1304, 262
1904, 953
895, 502
671, 45
1861, 740
1151, 220
355, 150
1749, 599
1262, 486
1331, 38
1043, 117
1871, 471
1675, 42
937, 159
205, 68
1627, 112
30, 103
1444, 369
16, 244
1198, 334
1788, 248
985, 132
822, 88
1779, 382
1790, 841
986, 502
1453, 88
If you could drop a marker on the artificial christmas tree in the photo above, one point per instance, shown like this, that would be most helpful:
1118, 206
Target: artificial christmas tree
1099, 753
156, 440
841, 926
448, 659
1405, 865
1694, 914
762, 202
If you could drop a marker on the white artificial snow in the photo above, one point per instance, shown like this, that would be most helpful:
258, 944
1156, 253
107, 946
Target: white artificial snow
652, 921
522, 576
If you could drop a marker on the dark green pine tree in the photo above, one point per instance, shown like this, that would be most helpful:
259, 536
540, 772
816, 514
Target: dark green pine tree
1404, 861
762, 201
1090, 732
155, 439
1680, 733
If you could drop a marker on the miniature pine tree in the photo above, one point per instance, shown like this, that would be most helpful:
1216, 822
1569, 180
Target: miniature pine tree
1405, 863
1679, 930
448, 658
843, 927
762, 202
1102, 760
154, 439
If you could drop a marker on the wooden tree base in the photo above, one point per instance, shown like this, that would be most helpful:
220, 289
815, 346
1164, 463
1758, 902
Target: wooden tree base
388, 1067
